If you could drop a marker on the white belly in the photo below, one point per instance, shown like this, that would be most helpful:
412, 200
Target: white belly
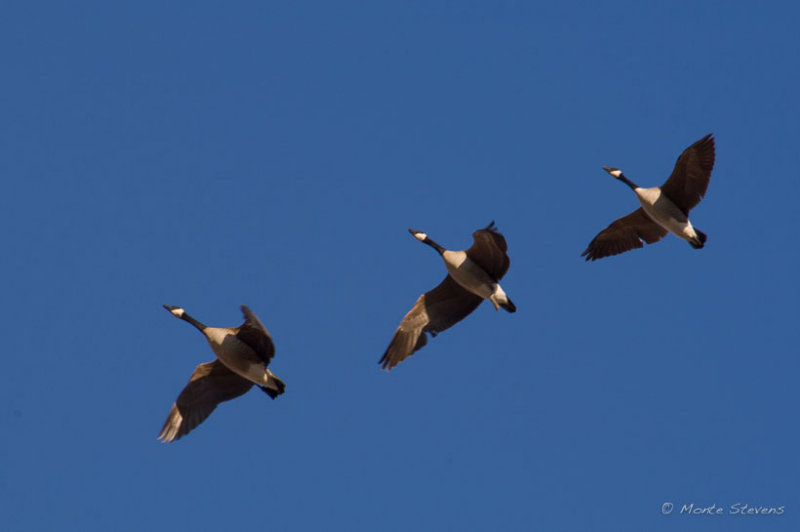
665, 213
468, 274
229, 351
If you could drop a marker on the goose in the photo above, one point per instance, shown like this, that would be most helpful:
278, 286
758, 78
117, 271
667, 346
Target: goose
664, 209
243, 354
473, 275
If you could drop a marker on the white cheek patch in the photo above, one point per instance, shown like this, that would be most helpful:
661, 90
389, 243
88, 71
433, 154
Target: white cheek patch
178, 312
420, 236
616, 173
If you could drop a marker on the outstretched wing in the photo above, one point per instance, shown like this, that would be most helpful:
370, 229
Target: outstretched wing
623, 235
253, 333
689, 180
489, 251
434, 311
210, 384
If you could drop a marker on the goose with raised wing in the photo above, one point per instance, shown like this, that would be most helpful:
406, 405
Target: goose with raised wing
243, 354
473, 275
664, 209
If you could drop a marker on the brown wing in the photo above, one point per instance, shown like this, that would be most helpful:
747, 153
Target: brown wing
689, 180
623, 235
489, 251
434, 311
253, 333
210, 384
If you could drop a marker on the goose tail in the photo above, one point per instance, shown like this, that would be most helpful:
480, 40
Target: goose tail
274, 387
700, 241
508, 305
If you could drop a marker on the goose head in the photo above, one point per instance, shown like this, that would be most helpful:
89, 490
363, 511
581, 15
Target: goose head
178, 312
419, 235
615, 172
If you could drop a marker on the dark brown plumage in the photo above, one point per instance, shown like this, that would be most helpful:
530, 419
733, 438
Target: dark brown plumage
448, 303
625, 234
247, 349
688, 183
685, 187
488, 250
210, 384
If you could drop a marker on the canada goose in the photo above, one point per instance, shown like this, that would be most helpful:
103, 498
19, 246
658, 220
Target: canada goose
243, 354
473, 276
664, 209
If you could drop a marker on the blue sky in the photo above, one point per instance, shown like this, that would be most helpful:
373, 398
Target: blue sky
210, 155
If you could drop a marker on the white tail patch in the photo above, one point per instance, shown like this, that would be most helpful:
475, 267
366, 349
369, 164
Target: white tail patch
688, 233
499, 295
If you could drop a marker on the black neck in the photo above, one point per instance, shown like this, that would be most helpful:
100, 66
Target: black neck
434, 245
193, 321
627, 181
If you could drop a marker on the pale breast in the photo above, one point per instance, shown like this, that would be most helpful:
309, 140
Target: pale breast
648, 196
236, 355
662, 210
468, 274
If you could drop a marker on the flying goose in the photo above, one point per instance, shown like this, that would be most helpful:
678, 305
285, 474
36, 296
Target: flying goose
664, 209
473, 275
243, 354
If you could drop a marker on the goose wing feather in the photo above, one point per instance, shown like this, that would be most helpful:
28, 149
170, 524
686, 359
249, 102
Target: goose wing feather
253, 333
624, 234
434, 311
688, 182
489, 251
211, 383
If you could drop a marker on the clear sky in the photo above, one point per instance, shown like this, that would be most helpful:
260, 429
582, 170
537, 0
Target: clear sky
210, 154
